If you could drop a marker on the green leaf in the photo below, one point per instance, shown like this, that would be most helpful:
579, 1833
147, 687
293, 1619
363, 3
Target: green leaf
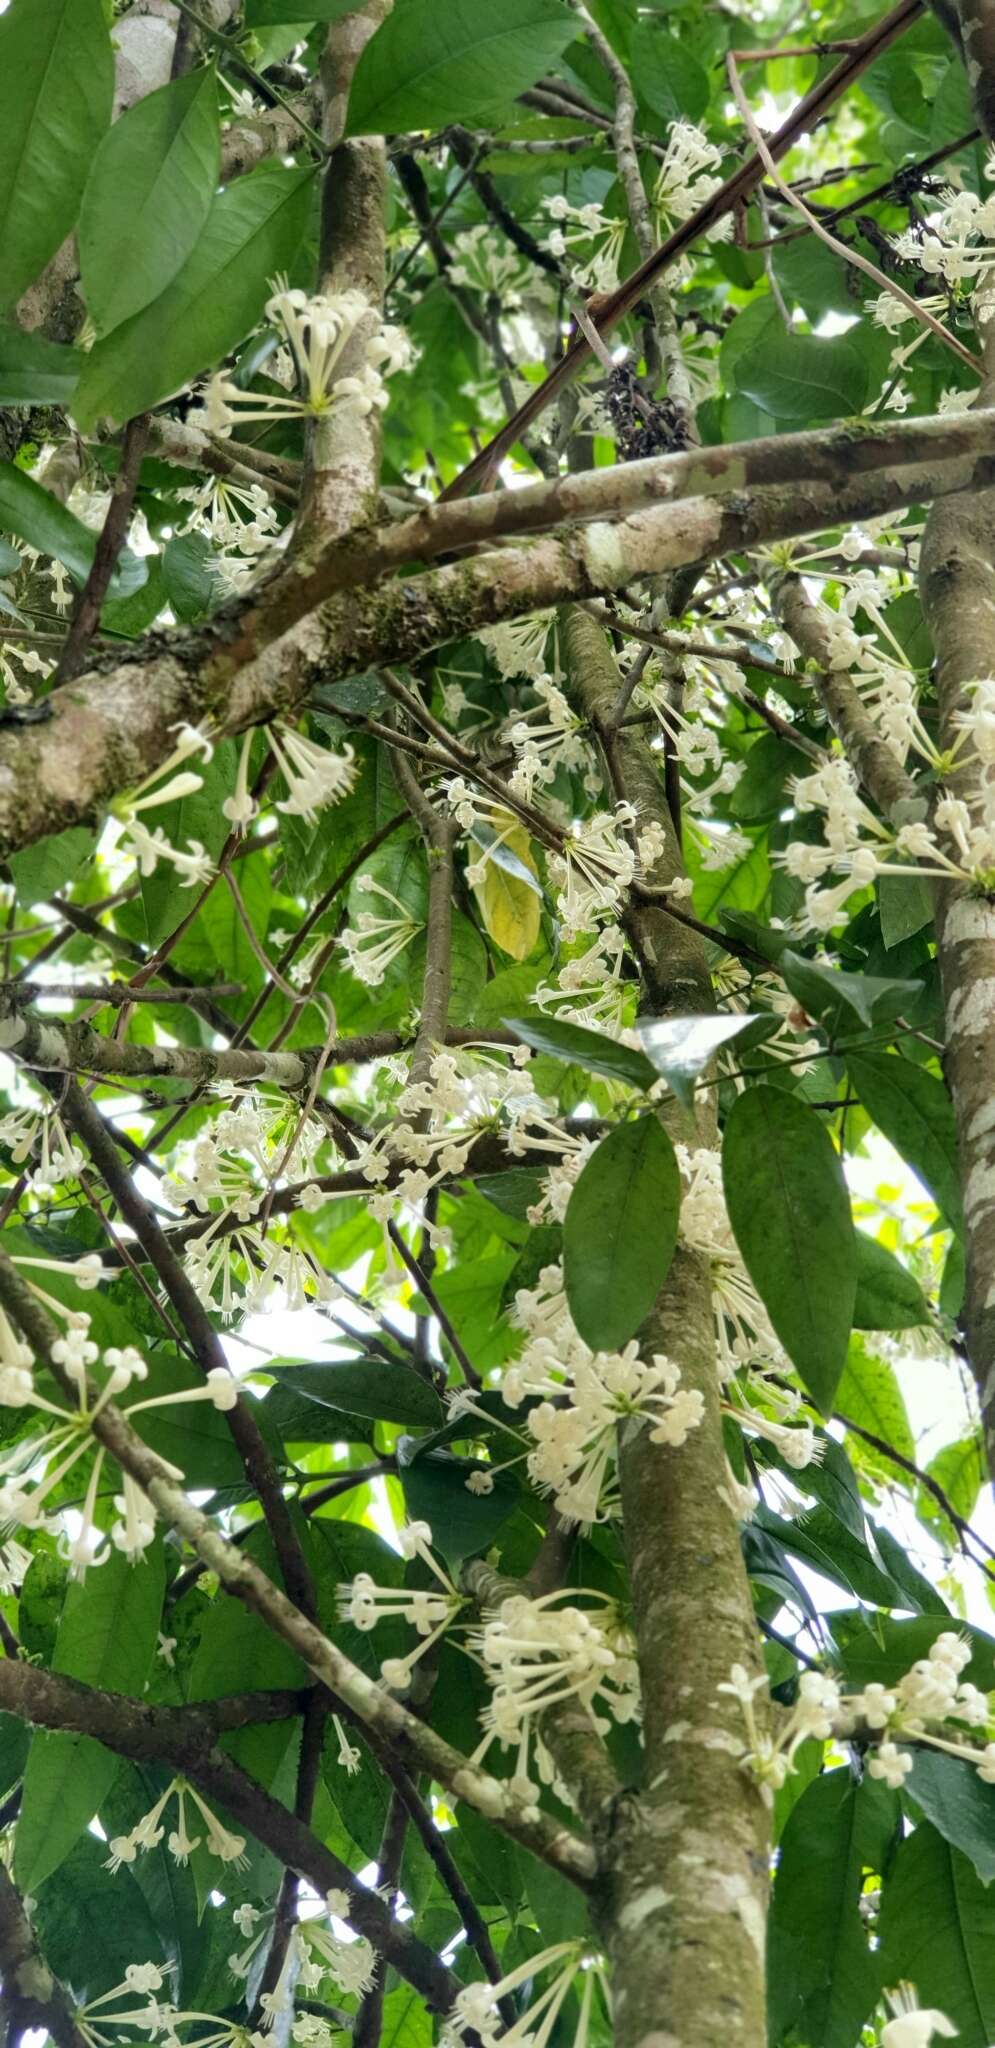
903, 907
620, 1232
913, 1110
188, 578
46, 524
56, 83
147, 197
464, 62
789, 1208
373, 1387
41, 869
835, 997
436, 1492
889, 1297
799, 378
759, 793
34, 371
877, 1652
253, 230
938, 1931
668, 75
579, 1047
90, 1923
823, 1977
680, 1048
107, 1638
960, 1470
869, 1395
960, 1805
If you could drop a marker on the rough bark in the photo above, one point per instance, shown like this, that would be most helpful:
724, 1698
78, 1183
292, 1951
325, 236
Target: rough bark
683, 1911
116, 723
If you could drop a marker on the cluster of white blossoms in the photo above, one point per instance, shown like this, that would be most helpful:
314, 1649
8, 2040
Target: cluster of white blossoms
931, 1696
315, 776
430, 1612
574, 1965
316, 331
578, 1400
35, 1465
956, 242
537, 1653
485, 262
588, 240
149, 1831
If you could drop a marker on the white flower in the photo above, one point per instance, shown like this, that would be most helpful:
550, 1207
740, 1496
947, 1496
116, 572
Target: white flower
891, 1764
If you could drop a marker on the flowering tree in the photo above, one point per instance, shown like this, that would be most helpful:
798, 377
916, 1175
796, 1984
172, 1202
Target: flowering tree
497, 803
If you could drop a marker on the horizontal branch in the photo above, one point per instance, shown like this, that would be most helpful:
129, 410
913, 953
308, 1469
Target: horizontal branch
111, 727
165, 1735
829, 455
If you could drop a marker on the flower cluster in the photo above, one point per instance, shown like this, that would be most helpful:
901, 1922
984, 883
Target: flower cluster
931, 1695
317, 332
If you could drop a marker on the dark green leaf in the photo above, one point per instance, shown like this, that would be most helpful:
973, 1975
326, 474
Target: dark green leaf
435, 1489
889, 1297
823, 1977
428, 65
147, 197
620, 1232
580, 1047
372, 1386
107, 1638
869, 1395
34, 515
960, 1805
252, 231
789, 1208
34, 371
913, 1110
835, 997
938, 1932
188, 579
903, 907
56, 82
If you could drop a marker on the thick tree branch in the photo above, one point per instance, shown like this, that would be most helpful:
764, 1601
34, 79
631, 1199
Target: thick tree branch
109, 729
30, 1996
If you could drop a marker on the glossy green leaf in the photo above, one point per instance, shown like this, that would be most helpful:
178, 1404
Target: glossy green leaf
107, 1638
147, 197
41, 869
877, 1650
620, 1232
836, 998
463, 1522
869, 1395
580, 1047
960, 1805
823, 1976
34, 515
56, 82
938, 1932
913, 1110
427, 65
372, 1387
889, 1297
34, 371
789, 1208
253, 230
680, 1048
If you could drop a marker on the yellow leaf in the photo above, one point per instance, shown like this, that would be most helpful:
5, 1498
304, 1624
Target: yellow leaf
509, 907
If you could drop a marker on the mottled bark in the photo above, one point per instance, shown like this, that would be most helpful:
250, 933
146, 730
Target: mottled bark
116, 723
684, 1902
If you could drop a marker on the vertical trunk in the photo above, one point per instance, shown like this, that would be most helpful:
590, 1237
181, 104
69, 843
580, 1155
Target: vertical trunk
344, 469
957, 582
684, 1915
